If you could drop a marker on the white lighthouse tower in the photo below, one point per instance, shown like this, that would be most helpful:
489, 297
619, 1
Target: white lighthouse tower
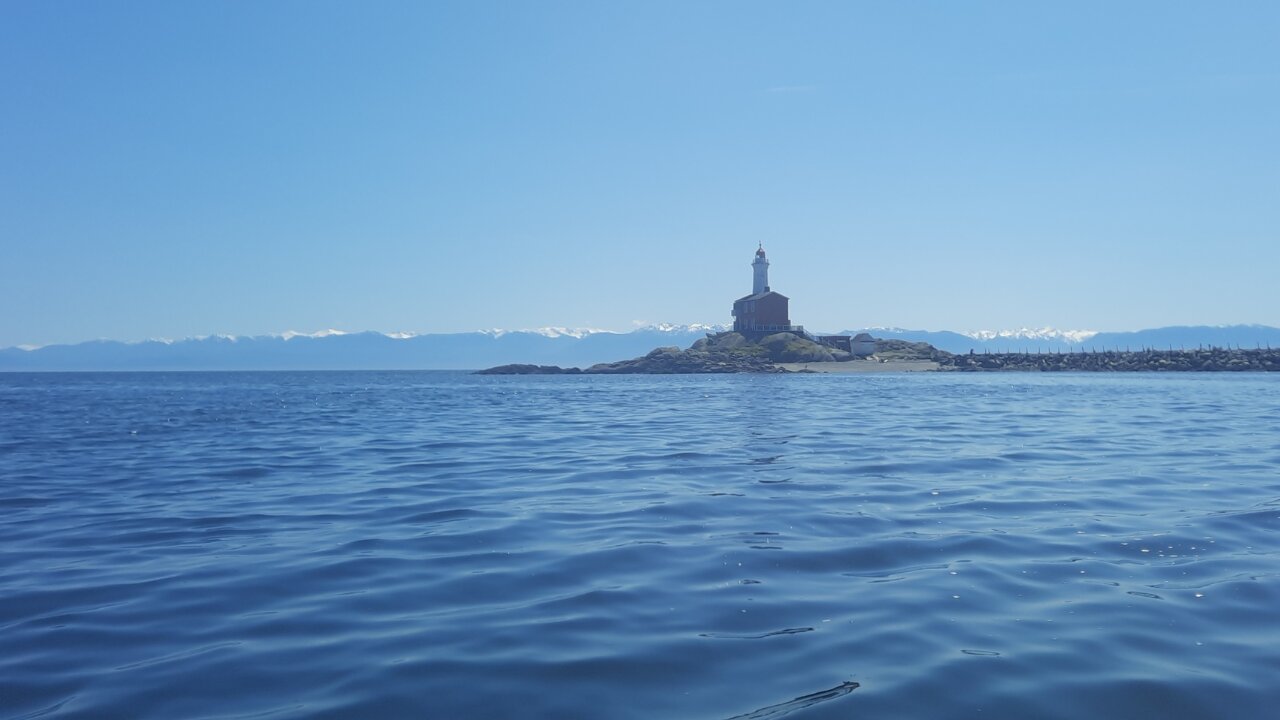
760, 282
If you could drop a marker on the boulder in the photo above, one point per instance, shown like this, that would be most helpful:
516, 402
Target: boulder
791, 348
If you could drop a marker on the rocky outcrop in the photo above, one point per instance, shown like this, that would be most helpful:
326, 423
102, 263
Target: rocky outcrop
520, 369
791, 348
695, 360
890, 350
720, 353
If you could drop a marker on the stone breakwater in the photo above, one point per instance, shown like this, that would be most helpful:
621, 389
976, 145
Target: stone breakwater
1199, 360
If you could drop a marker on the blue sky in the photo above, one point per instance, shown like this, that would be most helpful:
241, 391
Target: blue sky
175, 169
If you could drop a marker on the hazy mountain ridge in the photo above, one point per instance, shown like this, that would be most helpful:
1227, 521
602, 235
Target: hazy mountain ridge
338, 350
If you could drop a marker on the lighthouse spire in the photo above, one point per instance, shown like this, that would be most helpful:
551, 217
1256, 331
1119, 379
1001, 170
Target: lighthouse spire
760, 268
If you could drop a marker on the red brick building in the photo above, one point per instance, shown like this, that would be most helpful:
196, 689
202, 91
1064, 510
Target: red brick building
766, 311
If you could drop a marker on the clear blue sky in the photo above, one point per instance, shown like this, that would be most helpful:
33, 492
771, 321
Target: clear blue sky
173, 169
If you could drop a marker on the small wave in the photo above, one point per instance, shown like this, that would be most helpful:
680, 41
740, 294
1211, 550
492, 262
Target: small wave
784, 631
46, 711
243, 473
435, 516
800, 703
185, 654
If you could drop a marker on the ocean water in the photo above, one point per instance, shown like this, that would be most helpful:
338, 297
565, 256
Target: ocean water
443, 545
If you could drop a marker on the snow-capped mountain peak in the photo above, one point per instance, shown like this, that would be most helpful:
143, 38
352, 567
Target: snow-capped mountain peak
892, 330
551, 332
291, 334
1045, 333
678, 328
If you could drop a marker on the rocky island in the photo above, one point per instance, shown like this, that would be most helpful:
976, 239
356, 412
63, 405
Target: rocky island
734, 352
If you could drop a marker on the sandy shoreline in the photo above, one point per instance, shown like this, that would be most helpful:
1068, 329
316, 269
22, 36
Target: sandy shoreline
862, 366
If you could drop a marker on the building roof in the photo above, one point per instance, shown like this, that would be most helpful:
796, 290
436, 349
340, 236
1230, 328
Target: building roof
758, 296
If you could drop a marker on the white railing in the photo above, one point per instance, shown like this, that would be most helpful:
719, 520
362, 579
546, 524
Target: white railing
775, 328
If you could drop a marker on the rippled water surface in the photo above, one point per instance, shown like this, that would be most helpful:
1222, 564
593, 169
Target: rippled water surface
442, 545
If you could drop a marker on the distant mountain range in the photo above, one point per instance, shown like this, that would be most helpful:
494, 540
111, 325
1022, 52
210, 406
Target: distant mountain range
335, 350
